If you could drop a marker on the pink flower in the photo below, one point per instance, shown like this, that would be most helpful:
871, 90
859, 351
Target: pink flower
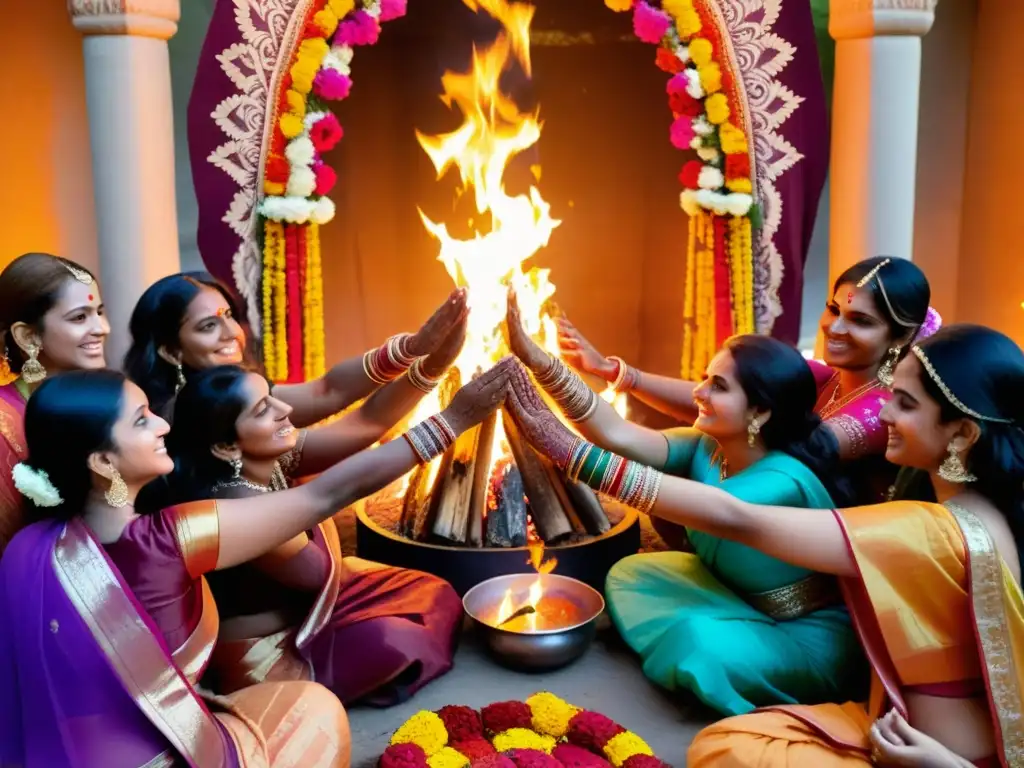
932, 323
325, 133
681, 132
392, 9
331, 85
326, 178
358, 28
649, 23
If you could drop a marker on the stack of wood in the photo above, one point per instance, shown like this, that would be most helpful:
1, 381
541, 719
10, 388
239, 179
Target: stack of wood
464, 503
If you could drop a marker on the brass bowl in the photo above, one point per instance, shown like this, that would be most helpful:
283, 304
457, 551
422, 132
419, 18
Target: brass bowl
544, 649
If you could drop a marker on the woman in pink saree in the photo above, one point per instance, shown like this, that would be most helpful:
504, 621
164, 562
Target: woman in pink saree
51, 320
88, 658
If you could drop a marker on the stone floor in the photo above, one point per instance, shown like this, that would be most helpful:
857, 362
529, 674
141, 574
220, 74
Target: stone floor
607, 679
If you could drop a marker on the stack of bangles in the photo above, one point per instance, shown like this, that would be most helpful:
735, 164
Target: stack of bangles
419, 379
632, 483
577, 401
388, 361
626, 376
430, 438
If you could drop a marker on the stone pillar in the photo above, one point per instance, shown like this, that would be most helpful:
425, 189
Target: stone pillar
874, 126
128, 95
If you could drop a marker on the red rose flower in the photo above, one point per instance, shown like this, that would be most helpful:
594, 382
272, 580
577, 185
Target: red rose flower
506, 714
277, 169
644, 761
682, 103
668, 61
690, 174
325, 133
737, 166
532, 758
462, 723
572, 756
403, 756
473, 748
592, 730
493, 760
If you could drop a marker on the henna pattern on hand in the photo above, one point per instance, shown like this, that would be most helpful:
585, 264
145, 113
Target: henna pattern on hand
441, 359
480, 397
542, 428
525, 348
433, 332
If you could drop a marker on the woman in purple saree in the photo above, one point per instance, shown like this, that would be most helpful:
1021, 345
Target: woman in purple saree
51, 320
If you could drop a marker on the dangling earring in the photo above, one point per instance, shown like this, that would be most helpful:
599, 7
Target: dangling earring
888, 367
181, 378
953, 470
32, 370
236, 468
117, 493
753, 430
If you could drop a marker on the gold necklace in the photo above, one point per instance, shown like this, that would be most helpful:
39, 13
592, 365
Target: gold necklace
833, 405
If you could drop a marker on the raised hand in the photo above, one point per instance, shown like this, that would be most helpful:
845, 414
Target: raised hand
578, 352
438, 361
480, 397
542, 428
525, 348
434, 332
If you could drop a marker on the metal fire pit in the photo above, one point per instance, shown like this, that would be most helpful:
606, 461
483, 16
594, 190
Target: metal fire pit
543, 649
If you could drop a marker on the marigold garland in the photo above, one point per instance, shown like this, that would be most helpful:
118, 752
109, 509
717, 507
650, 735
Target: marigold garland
555, 735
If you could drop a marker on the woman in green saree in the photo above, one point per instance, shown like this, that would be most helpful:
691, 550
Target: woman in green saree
736, 627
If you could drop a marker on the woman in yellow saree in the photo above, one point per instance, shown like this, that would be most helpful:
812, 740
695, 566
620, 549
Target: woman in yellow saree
933, 588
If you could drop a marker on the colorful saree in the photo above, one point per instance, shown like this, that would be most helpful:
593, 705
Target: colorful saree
12, 450
736, 627
162, 558
373, 634
935, 607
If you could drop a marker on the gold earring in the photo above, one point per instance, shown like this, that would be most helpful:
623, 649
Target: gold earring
117, 493
753, 430
32, 371
181, 378
888, 367
952, 470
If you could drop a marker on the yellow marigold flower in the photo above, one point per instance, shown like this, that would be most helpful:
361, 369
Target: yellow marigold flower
710, 77
717, 107
732, 139
291, 125
688, 24
302, 73
424, 729
551, 715
700, 51
296, 103
273, 188
313, 48
739, 185
342, 8
327, 20
623, 746
521, 738
619, 5
447, 758
676, 8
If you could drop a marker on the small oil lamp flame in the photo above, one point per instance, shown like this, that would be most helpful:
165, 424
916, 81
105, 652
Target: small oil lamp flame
524, 618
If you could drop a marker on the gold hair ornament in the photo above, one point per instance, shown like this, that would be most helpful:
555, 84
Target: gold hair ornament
78, 273
873, 275
957, 403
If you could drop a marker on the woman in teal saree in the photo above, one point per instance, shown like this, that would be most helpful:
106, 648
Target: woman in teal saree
737, 628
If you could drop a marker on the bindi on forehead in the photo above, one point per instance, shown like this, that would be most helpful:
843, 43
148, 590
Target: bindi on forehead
849, 297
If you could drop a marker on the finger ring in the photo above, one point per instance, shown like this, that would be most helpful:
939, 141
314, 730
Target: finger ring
876, 755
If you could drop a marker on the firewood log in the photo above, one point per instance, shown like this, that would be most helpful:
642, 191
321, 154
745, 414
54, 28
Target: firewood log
455, 490
506, 523
549, 517
588, 507
481, 478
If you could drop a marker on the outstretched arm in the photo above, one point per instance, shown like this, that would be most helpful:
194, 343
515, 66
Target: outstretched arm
803, 537
250, 527
367, 424
594, 418
355, 378
673, 397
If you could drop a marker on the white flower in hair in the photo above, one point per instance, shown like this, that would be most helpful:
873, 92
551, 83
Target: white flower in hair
35, 484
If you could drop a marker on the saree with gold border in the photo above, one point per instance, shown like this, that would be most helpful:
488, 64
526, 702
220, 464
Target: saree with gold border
13, 449
936, 610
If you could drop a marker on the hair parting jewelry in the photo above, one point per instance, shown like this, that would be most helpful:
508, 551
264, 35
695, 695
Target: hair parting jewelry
577, 401
419, 379
78, 273
388, 361
632, 483
430, 438
873, 275
948, 394
626, 376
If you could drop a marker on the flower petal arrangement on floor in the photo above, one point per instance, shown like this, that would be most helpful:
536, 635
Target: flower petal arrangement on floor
542, 732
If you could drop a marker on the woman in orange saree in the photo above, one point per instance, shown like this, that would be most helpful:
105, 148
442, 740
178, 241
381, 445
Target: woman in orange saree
51, 320
933, 587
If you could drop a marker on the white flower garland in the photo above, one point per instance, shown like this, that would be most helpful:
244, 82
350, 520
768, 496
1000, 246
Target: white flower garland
35, 484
